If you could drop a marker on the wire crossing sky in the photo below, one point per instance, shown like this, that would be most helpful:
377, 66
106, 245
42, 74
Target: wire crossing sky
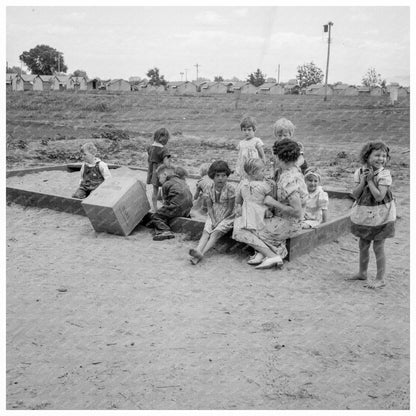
233, 41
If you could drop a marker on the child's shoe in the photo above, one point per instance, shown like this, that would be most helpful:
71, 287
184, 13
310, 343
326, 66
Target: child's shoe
256, 259
164, 235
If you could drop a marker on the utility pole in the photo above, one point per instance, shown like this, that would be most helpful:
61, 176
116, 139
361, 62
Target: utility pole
59, 62
327, 28
197, 66
278, 74
186, 74
181, 73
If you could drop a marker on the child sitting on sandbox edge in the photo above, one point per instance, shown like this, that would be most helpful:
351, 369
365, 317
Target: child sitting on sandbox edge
177, 202
93, 171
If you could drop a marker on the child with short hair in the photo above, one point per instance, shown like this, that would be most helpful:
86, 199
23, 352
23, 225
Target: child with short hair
201, 191
158, 154
93, 171
316, 205
251, 147
220, 201
177, 202
373, 214
285, 129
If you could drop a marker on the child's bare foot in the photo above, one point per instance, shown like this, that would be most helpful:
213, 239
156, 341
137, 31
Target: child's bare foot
194, 260
358, 276
195, 253
375, 284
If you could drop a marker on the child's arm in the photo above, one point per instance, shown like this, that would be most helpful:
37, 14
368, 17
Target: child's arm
324, 215
210, 212
261, 153
357, 191
294, 209
166, 161
378, 192
104, 170
198, 191
81, 171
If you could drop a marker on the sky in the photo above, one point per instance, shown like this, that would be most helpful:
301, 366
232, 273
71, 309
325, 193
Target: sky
228, 41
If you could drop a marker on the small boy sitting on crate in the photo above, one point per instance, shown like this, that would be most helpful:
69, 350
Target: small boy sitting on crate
177, 202
93, 171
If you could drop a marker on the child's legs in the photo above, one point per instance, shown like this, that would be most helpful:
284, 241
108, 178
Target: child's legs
212, 240
378, 247
264, 250
364, 246
203, 241
154, 196
160, 222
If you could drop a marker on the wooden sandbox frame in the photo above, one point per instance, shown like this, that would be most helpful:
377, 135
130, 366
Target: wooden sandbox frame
301, 243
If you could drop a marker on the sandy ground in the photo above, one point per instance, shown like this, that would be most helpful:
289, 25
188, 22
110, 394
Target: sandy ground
97, 321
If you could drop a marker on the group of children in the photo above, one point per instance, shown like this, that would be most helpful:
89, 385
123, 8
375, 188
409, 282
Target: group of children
247, 206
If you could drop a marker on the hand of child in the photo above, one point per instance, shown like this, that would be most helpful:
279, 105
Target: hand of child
370, 175
363, 176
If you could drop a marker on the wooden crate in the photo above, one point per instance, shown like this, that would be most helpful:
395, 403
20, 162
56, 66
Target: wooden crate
117, 205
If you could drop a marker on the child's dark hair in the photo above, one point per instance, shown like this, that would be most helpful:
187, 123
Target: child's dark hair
181, 172
368, 149
219, 166
248, 122
286, 150
160, 134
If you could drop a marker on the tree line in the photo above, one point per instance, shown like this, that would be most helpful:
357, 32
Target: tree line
45, 60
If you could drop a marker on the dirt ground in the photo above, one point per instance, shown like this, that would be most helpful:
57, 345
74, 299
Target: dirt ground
97, 321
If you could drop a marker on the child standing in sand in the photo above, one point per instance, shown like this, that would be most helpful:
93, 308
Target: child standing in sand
285, 129
93, 171
220, 201
202, 186
316, 202
373, 214
158, 154
250, 147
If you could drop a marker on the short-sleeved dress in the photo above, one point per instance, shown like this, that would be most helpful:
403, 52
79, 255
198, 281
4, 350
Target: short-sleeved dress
315, 202
247, 149
156, 155
220, 203
272, 232
370, 219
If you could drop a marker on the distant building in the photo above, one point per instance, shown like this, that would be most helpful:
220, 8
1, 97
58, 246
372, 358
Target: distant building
344, 89
93, 84
9, 81
376, 90
59, 82
180, 87
319, 89
42, 83
23, 82
118, 85
146, 87
363, 90
271, 88
77, 83
214, 88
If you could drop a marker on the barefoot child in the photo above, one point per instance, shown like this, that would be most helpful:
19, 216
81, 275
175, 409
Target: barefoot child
158, 154
177, 202
93, 171
373, 214
250, 147
220, 203
316, 206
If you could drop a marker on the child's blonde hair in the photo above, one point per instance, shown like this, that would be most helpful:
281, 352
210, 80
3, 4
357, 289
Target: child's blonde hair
163, 168
203, 169
90, 148
313, 172
283, 124
252, 166
248, 122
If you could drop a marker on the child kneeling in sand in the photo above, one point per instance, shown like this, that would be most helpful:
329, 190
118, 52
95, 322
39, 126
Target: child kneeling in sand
316, 202
177, 202
93, 171
220, 204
